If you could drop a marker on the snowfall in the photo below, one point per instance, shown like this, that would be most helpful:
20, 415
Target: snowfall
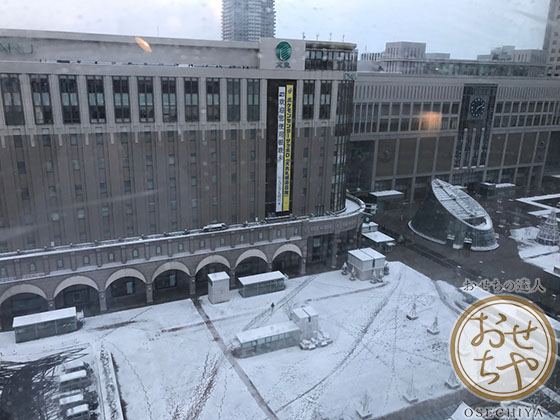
171, 365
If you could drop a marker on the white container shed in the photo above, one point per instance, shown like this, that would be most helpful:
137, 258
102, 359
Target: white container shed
307, 319
45, 324
268, 338
361, 262
218, 287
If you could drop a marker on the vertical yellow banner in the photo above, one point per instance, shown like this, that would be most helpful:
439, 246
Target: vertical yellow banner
288, 148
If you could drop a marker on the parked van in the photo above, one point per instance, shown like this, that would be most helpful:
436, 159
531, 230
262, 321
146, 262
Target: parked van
75, 380
80, 412
214, 227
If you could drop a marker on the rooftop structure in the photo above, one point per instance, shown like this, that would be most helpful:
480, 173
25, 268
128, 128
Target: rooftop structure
450, 215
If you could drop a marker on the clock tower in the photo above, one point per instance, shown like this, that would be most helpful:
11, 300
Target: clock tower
475, 122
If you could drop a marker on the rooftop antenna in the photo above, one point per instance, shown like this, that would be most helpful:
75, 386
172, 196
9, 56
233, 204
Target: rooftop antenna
317, 37
330, 36
343, 37
303, 35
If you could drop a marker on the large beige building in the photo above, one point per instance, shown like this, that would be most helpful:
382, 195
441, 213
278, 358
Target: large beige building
115, 154
410, 129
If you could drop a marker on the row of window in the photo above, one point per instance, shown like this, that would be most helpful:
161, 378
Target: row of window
510, 107
426, 123
396, 109
323, 59
68, 86
135, 252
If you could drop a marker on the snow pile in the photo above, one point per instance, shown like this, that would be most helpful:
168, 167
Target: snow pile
532, 252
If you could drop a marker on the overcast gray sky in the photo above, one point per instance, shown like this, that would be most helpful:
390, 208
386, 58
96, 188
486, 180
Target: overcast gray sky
463, 28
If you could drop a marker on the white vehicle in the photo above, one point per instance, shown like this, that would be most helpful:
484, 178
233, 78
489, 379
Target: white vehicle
214, 227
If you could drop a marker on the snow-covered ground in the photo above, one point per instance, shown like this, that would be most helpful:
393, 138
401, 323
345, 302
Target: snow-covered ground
170, 366
543, 256
545, 209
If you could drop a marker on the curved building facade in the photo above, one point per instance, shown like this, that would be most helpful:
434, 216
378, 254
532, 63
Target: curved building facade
448, 215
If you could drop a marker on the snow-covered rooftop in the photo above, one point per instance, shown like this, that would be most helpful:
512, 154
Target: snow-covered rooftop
259, 278
373, 253
74, 375
460, 204
378, 237
221, 276
267, 331
72, 399
22, 321
387, 194
359, 255
77, 410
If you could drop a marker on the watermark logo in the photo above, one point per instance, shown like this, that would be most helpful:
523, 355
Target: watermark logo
503, 348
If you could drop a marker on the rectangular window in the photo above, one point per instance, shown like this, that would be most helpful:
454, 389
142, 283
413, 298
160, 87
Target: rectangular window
169, 99
121, 95
213, 99
191, 99
21, 168
40, 93
308, 99
96, 99
11, 94
146, 99
253, 99
233, 99
18, 141
325, 100
69, 98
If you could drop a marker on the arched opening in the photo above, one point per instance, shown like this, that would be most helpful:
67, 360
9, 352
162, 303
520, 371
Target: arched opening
202, 276
288, 262
125, 292
250, 266
170, 285
20, 304
85, 298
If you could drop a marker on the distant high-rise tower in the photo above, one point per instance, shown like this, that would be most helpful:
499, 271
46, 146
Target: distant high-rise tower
552, 39
248, 20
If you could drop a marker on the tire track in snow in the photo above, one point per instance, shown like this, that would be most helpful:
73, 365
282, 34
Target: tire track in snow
348, 356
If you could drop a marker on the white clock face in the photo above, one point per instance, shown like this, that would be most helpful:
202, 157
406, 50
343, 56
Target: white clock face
477, 107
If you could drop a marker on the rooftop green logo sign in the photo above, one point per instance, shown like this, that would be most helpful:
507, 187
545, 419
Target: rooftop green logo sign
283, 51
